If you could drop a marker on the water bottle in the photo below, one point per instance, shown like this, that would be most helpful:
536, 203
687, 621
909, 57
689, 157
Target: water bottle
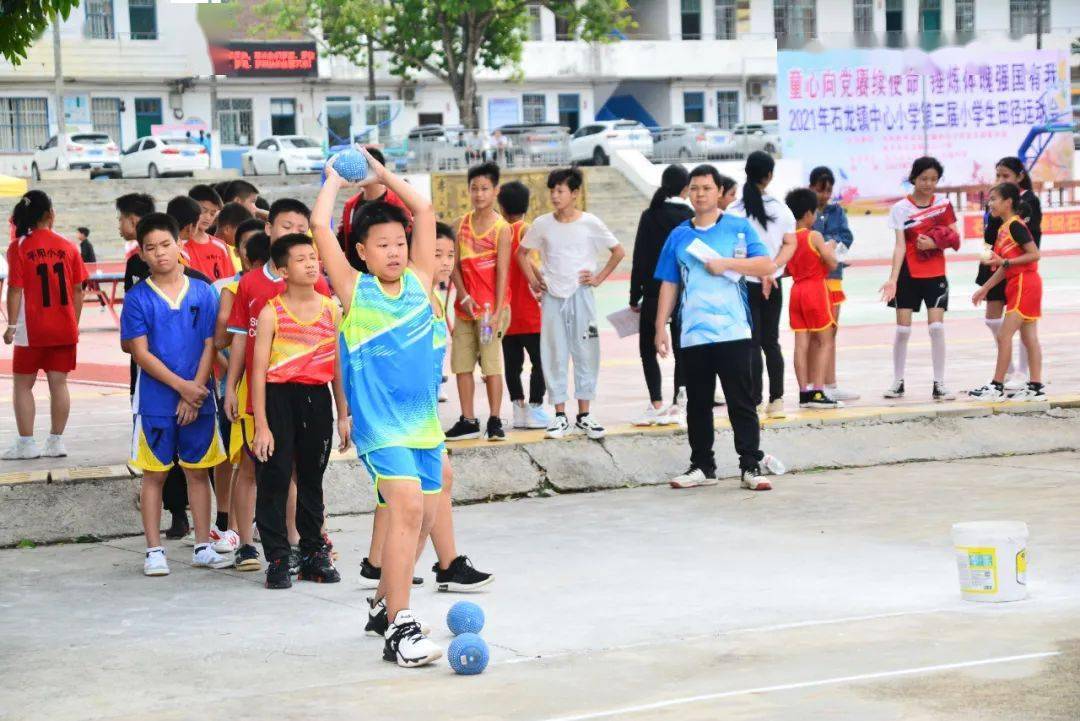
485, 325
740, 246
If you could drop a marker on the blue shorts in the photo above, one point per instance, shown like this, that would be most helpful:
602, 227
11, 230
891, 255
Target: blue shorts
156, 440
424, 465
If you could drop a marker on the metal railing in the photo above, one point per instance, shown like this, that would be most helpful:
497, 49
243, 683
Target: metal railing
460, 149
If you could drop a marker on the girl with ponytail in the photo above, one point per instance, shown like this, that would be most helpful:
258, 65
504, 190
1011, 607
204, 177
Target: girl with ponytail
667, 210
775, 225
44, 302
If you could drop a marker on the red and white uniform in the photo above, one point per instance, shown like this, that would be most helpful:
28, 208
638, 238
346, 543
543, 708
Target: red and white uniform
915, 220
810, 303
50, 271
524, 307
304, 351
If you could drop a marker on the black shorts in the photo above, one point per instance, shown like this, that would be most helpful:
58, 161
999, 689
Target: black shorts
998, 291
911, 293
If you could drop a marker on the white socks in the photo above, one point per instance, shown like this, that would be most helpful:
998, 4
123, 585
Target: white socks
994, 324
1022, 366
899, 351
937, 350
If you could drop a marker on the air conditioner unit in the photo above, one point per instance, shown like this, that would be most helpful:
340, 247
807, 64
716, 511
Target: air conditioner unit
755, 88
408, 94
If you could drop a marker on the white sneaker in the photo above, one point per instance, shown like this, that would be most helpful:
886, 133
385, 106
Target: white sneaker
207, 557
54, 447
537, 417
840, 394
1014, 384
558, 428
988, 392
406, 643
896, 390
521, 414
941, 393
591, 428
773, 465
23, 449
189, 539
675, 415
754, 480
1029, 394
224, 541
692, 478
650, 417
775, 409
155, 563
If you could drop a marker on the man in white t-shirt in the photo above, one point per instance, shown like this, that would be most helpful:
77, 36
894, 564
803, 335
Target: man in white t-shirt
569, 242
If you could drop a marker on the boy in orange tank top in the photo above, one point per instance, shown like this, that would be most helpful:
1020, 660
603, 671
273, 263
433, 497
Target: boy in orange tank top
295, 358
810, 307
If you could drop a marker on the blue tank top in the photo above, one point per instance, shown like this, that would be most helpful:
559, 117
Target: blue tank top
385, 340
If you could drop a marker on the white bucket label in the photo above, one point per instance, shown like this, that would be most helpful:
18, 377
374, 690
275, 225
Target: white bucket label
978, 569
1021, 567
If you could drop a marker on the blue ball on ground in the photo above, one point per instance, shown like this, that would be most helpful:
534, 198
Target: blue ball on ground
465, 617
351, 164
468, 654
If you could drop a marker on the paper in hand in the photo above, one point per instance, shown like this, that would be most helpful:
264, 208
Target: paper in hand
704, 253
625, 322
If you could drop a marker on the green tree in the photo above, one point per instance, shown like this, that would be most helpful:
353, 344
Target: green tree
451, 39
23, 21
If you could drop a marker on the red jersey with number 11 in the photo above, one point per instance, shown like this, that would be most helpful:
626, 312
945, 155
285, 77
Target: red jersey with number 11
50, 271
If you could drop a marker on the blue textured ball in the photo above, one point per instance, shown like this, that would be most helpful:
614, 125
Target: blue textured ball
465, 617
351, 165
468, 654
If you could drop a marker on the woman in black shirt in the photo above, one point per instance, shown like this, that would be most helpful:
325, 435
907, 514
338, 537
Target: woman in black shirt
667, 210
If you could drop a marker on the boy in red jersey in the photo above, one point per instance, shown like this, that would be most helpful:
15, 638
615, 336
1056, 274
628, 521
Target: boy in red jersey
44, 302
1015, 258
255, 288
810, 306
202, 251
295, 358
523, 333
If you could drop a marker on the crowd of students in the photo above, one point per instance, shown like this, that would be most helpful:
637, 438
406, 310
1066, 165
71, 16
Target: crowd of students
256, 333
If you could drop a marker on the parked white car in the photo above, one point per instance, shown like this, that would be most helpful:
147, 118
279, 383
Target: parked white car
692, 141
153, 157
284, 154
749, 137
95, 152
598, 141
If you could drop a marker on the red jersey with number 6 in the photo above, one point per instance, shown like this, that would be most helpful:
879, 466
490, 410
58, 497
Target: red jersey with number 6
50, 271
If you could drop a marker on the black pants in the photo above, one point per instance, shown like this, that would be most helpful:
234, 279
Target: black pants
302, 423
514, 349
647, 349
765, 325
730, 361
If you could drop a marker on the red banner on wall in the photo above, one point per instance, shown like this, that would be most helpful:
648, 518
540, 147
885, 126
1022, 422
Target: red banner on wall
1054, 222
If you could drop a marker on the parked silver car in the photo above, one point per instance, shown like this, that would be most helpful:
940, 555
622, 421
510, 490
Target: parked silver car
439, 147
529, 144
757, 136
693, 141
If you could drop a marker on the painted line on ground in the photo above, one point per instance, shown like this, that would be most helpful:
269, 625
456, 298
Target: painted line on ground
834, 681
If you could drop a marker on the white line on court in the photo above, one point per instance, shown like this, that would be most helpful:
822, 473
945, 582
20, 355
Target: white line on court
806, 684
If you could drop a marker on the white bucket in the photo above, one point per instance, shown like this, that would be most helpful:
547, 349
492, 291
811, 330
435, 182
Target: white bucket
991, 557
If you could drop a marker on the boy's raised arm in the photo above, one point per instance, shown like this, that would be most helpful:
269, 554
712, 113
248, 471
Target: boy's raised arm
342, 274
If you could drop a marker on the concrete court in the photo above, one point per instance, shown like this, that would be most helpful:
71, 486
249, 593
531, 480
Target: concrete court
832, 597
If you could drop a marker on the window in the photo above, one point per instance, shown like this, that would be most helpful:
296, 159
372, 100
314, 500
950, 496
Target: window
1024, 16
569, 110
563, 31
693, 107
143, 17
429, 119
965, 16
535, 31
24, 123
234, 120
147, 114
727, 109
864, 16
725, 19
930, 16
282, 116
691, 19
894, 23
794, 22
533, 108
99, 20
105, 114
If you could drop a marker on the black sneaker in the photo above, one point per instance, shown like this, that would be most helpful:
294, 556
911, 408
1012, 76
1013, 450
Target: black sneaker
464, 430
819, 400
277, 574
294, 560
495, 430
460, 577
371, 575
247, 558
180, 526
804, 399
318, 567
377, 621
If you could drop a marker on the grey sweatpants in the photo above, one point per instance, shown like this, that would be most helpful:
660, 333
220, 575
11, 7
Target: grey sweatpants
568, 331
